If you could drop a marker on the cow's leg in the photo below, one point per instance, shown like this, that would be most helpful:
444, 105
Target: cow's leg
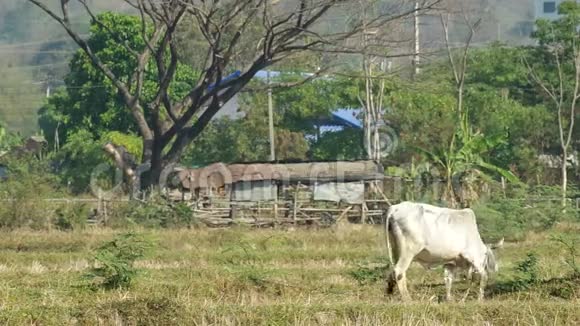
469, 283
400, 275
391, 279
449, 271
482, 283
469, 276
390, 286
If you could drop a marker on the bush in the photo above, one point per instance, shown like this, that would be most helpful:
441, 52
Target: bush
71, 217
370, 272
29, 182
369, 275
115, 261
526, 276
528, 270
154, 213
572, 259
521, 210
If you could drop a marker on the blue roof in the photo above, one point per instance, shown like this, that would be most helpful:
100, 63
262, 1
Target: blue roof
229, 77
348, 117
263, 74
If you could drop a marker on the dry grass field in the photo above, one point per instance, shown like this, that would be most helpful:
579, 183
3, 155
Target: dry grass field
271, 277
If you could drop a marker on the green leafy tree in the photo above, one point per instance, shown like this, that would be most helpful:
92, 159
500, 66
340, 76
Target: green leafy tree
168, 123
300, 106
346, 144
290, 145
89, 100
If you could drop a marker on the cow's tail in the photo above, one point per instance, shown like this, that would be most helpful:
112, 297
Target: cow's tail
387, 234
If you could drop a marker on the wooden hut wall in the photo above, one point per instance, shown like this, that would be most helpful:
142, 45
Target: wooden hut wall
348, 192
255, 191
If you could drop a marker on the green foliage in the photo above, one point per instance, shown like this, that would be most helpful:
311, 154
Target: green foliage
526, 276
71, 217
366, 275
226, 140
296, 109
77, 160
498, 69
528, 269
464, 160
154, 213
29, 181
520, 211
290, 145
90, 101
346, 144
301, 105
423, 115
115, 260
511, 219
573, 256
8, 139
132, 143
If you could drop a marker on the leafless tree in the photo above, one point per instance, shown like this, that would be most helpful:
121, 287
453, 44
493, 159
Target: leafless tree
167, 125
458, 57
377, 47
564, 98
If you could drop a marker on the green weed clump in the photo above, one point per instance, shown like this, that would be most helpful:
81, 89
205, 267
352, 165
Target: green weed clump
115, 261
572, 260
366, 274
526, 277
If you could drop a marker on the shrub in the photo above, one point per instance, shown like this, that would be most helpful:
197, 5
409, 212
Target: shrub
154, 213
29, 182
526, 276
71, 217
521, 210
115, 260
528, 270
572, 258
370, 272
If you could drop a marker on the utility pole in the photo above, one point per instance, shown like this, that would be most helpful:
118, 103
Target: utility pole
271, 119
416, 58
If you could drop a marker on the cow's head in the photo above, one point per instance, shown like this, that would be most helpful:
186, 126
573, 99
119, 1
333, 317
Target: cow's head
490, 260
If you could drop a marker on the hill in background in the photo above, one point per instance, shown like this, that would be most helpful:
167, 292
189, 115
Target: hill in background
34, 50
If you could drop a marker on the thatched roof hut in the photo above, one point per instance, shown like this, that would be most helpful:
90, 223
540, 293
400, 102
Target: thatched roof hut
212, 176
218, 174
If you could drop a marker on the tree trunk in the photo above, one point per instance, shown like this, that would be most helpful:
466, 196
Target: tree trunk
151, 178
564, 176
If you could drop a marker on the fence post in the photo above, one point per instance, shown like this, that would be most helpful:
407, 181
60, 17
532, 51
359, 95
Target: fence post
295, 203
503, 186
363, 215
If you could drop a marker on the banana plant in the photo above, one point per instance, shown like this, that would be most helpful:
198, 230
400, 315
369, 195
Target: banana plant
465, 154
7, 140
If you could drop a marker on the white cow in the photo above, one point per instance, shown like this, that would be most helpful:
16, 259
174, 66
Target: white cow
434, 236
